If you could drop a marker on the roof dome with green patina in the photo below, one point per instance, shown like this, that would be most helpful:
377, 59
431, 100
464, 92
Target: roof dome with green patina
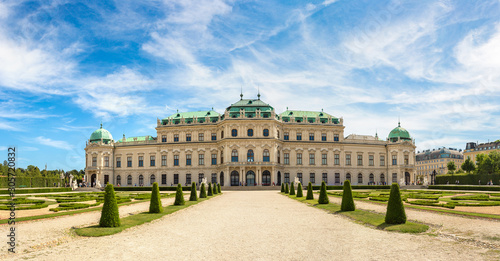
101, 134
399, 133
250, 107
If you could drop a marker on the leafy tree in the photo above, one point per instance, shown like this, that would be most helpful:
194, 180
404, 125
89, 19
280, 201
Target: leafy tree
347, 200
286, 188
299, 190
110, 216
292, 189
310, 191
203, 192
468, 165
210, 191
451, 167
323, 197
155, 203
395, 209
179, 196
193, 196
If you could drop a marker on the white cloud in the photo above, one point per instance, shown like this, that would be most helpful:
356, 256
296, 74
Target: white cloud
3, 148
53, 143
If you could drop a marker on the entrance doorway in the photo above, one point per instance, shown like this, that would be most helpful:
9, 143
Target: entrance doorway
407, 178
221, 178
250, 178
106, 179
92, 180
279, 178
235, 178
266, 178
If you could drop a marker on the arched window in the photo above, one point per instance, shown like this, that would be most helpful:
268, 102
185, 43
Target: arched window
266, 132
265, 155
235, 178
129, 180
382, 178
222, 134
360, 178
348, 177
234, 132
372, 179
234, 156
141, 180
250, 156
152, 179
250, 132
118, 180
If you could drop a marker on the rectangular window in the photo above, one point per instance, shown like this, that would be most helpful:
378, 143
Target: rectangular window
382, 160
176, 179
312, 178
337, 159
152, 161
348, 159
163, 179
323, 137
360, 160
299, 136
188, 137
311, 136
201, 136
394, 160
299, 176
311, 158
176, 137
214, 178
141, 161
129, 161
200, 178
394, 177
163, 138
337, 178
325, 177
106, 161
323, 159
176, 160
164, 160
188, 159
201, 159
287, 177
371, 160
214, 136
299, 158
214, 159
407, 160
335, 137
286, 158
285, 136
188, 179
118, 162
94, 161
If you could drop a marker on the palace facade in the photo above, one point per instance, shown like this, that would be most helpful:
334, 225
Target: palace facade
250, 144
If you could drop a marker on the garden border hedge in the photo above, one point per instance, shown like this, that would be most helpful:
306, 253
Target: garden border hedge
315, 187
465, 187
36, 190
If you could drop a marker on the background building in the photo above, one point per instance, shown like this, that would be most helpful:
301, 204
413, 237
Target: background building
437, 160
472, 149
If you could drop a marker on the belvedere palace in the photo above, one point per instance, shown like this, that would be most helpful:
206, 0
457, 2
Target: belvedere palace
250, 145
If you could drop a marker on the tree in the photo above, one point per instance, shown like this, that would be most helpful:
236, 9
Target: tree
323, 197
155, 203
292, 189
110, 216
282, 187
299, 190
203, 192
193, 196
310, 194
395, 209
286, 188
347, 200
210, 191
485, 164
451, 167
468, 165
179, 196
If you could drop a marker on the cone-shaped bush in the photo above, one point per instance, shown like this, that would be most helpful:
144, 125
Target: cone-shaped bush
347, 200
310, 191
292, 189
155, 203
395, 209
109, 215
179, 196
215, 189
193, 196
286, 188
203, 191
282, 187
299, 191
218, 188
323, 197
210, 191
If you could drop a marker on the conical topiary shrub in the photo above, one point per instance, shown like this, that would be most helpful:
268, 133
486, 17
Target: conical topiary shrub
292, 189
179, 196
282, 187
218, 189
299, 190
310, 191
210, 191
395, 209
155, 203
286, 188
215, 189
109, 215
323, 197
193, 196
203, 191
347, 200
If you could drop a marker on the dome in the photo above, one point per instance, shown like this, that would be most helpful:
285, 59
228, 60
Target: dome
399, 133
101, 134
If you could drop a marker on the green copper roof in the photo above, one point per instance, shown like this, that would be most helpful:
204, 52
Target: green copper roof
400, 133
189, 116
310, 115
101, 134
140, 138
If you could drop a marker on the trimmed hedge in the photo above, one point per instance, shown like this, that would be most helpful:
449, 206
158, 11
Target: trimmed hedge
155, 203
347, 199
24, 207
214, 188
292, 189
35, 190
323, 197
299, 191
309, 192
218, 189
31, 182
210, 191
466, 187
110, 216
179, 196
395, 209
203, 192
468, 179
282, 187
188, 188
472, 197
193, 196
353, 187
71, 206
286, 188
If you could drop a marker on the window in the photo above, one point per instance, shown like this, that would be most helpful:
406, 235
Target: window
382, 160
299, 176
360, 160
201, 159
164, 160
129, 180
266, 133
394, 160
299, 136
176, 160
201, 136
311, 158
222, 134
287, 177
394, 177
360, 178
299, 158
348, 159
141, 161
200, 177
250, 155
371, 179
214, 136
337, 178
311, 136
335, 137
234, 132
312, 178
118, 180
163, 138
152, 161
265, 156
152, 179
188, 159
234, 156
221, 157
118, 162
382, 179
323, 136
323, 159
285, 136
188, 137
407, 160
163, 179
141, 180
278, 134
370, 160
176, 137
250, 132
336, 160
106, 161
129, 161
94, 161
214, 159
176, 179
286, 159
214, 178
348, 177
188, 179
324, 177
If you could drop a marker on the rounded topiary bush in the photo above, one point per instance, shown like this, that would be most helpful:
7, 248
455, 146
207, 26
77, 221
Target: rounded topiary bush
179, 196
299, 190
218, 189
310, 191
109, 215
155, 203
210, 191
323, 197
286, 188
347, 200
203, 191
395, 209
292, 189
193, 196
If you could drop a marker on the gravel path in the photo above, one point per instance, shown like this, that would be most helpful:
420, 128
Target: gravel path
259, 225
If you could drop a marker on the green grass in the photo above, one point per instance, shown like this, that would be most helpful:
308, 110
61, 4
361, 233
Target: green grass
365, 217
134, 220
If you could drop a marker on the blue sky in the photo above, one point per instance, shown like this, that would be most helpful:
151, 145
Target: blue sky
65, 66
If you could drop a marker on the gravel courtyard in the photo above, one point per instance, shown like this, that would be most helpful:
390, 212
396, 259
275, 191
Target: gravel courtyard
253, 225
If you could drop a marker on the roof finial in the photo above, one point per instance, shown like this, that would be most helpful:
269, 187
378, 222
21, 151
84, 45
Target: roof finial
101, 124
212, 108
241, 95
399, 121
376, 133
258, 92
